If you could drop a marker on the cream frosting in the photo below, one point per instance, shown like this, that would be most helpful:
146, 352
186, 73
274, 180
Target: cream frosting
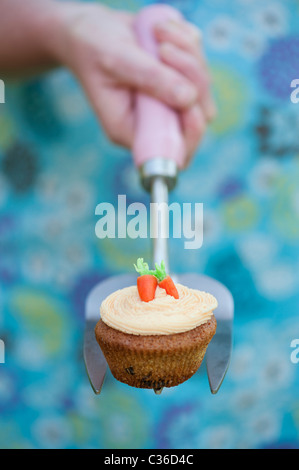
124, 311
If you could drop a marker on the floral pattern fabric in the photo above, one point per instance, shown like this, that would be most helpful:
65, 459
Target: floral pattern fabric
56, 165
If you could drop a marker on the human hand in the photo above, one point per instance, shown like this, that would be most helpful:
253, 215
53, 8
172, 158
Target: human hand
99, 45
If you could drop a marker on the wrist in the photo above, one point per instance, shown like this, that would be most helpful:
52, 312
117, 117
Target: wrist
63, 29
50, 29
28, 32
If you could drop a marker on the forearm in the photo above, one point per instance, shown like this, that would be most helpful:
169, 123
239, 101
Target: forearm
99, 46
29, 31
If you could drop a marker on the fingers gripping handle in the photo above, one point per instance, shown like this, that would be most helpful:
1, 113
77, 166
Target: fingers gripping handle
158, 132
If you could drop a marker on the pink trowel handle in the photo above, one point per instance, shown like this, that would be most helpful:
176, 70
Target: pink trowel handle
158, 132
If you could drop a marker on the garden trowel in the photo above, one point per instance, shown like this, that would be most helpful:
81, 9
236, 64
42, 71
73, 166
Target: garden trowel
159, 154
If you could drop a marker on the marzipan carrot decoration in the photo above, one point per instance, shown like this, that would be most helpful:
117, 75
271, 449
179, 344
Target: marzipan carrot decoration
146, 282
149, 279
165, 281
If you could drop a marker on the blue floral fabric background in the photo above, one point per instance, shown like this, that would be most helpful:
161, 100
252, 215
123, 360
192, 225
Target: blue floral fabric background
56, 165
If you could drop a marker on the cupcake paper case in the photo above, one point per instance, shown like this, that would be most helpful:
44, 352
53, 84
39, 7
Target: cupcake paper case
157, 343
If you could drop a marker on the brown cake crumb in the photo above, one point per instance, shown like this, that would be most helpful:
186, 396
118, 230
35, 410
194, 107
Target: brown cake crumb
154, 361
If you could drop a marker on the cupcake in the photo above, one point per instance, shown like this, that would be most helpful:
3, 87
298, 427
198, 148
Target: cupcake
155, 334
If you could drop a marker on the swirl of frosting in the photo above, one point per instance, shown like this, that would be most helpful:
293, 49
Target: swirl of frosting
124, 311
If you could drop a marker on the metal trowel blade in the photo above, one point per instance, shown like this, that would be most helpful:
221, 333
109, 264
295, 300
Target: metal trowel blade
220, 348
94, 359
218, 352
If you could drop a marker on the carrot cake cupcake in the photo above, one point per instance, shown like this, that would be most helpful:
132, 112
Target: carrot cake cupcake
155, 334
